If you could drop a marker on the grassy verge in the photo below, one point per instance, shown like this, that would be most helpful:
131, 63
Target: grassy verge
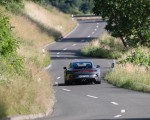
131, 72
104, 47
32, 91
130, 76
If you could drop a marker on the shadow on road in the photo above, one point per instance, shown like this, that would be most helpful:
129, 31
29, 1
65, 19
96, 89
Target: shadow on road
74, 84
77, 39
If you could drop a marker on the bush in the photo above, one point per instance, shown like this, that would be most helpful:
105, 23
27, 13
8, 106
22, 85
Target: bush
139, 56
106, 47
8, 48
14, 6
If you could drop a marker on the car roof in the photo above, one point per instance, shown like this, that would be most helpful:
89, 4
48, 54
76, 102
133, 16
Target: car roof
81, 61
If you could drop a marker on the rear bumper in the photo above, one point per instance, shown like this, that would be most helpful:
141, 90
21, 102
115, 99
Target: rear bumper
83, 78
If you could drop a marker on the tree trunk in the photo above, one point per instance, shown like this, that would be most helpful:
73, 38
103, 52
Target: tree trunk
123, 41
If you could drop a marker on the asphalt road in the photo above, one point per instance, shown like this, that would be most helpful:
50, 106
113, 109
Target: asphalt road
91, 102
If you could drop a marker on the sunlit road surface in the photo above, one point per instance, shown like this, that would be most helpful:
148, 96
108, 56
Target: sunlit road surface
91, 102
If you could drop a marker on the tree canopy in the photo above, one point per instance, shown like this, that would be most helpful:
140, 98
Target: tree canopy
73, 6
127, 19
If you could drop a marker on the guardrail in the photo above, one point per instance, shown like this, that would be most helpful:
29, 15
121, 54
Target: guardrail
86, 15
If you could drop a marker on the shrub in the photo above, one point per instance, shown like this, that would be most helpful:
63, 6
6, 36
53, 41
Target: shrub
139, 56
14, 6
8, 48
105, 47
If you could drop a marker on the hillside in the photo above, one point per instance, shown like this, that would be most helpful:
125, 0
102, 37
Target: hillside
31, 92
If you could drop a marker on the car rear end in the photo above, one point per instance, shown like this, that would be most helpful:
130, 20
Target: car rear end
83, 75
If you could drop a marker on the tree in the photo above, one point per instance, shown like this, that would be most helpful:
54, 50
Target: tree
127, 19
73, 6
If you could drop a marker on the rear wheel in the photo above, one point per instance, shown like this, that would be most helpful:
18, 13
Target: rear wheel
67, 82
98, 82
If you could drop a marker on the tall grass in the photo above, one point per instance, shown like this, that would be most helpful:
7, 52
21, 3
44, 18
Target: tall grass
131, 77
50, 19
104, 47
32, 91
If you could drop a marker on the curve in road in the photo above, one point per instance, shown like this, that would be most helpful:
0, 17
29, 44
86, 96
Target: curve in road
91, 102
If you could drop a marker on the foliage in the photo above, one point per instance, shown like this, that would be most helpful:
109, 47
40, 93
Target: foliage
73, 6
107, 47
14, 6
127, 19
21, 78
8, 48
139, 57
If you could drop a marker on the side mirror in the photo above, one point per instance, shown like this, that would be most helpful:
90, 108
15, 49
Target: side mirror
98, 66
65, 68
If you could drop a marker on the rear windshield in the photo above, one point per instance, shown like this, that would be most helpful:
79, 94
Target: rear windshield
80, 65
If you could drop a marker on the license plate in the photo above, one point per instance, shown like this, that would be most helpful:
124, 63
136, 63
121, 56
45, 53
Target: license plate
84, 76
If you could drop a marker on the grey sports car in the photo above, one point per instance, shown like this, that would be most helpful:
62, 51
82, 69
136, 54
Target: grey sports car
82, 71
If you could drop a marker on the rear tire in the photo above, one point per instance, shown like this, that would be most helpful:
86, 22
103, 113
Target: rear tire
67, 82
98, 82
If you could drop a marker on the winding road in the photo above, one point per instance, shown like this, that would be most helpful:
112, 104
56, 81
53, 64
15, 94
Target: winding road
91, 102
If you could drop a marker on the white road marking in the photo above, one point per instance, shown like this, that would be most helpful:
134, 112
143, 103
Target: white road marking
92, 96
58, 56
98, 23
95, 29
56, 83
66, 90
65, 49
117, 116
114, 103
93, 32
97, 26
89, 36
48, 67
58, 53
58, 78
123, 111
74, 44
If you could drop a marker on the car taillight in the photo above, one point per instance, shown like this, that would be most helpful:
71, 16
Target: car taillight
85, 71
92, 71
76, 71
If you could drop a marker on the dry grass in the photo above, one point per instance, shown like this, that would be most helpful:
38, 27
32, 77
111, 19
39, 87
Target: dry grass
131, 77
33, 91
55, 19
104, 47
